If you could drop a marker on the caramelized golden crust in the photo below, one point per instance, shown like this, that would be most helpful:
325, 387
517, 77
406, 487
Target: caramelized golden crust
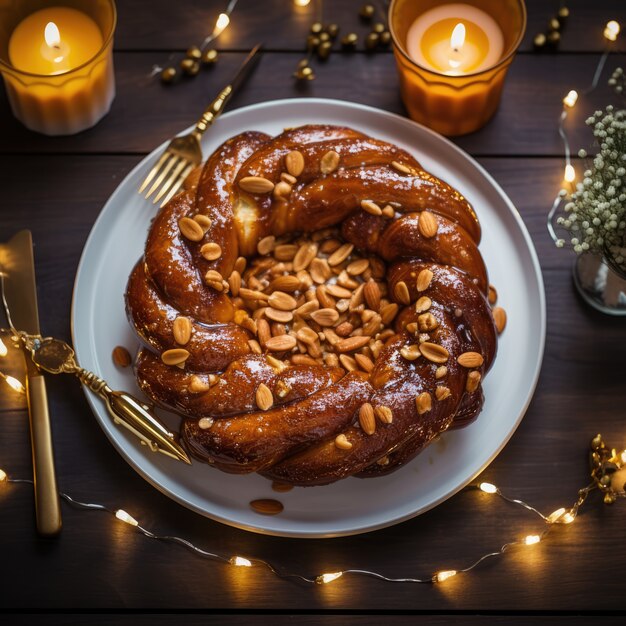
278, 415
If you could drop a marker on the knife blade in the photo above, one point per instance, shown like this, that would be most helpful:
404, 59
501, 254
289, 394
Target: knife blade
20, 291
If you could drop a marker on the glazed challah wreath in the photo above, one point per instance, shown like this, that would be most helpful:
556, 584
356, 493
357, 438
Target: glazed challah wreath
315, 306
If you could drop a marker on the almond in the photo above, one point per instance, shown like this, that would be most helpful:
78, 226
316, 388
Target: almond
203, 220
281, 343
252, 294
470, 359
263, 331
371, 293
285, 251
288, 178
190, 229
278, 315
344, 329
388, 312
325, 300
411, 352
338, 292
282, 189
423, 280
423, 304
351, 343
442, 370
427, 322
341, 441
307, 308
371, 207
442, 392
266, 245
341, 254
329, 246
255, 346
294, 162
320, 271
204, 423
303, 359
211, 251
264, 397
499, 317
240, 264
181, 330
282, 301
367, 419
365, 363
427, 224
373, 325
304, 256
401, 292
256, 184
434, 352
329, 162
285, 283
175, 356
493, 294
121, 356
198, 385
423, 402
473, 380
281, 487
234, 282
401, 167
389, 211
325, 317
384, 414
348, 362
357, 267
307, 335
276, 364
266, 506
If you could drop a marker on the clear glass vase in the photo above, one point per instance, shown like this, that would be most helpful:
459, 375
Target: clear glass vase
601, 284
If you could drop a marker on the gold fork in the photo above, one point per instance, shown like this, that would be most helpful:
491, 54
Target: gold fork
184, 153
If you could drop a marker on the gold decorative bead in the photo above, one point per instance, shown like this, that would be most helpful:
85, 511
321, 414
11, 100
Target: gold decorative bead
554, 38
605, 481
609, 498
332, 30
563, 14
190, 67
379, 27
303, 63
554, 24
194, 53
304, 73
324, 49
367, 11
597, 442
209, 56
385, 38
316, 28
168, 75
324, 36
371, 41
539, 41
350, 40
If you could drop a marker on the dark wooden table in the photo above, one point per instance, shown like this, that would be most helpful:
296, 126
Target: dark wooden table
57, 186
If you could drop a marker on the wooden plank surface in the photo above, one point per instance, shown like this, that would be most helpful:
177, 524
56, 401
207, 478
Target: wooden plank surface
545, 462
146, 113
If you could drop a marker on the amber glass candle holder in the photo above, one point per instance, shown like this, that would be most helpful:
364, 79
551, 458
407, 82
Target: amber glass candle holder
70, 101
454, 104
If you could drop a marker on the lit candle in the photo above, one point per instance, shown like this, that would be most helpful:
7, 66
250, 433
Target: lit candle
455, 39
59, 72
452, 59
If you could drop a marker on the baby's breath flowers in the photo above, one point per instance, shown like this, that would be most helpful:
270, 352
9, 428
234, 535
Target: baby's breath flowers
595, 213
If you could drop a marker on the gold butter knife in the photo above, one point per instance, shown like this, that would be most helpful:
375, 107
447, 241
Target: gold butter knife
18, 269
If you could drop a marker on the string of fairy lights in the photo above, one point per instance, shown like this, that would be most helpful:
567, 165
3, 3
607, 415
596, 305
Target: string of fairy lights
611, 32
607, 465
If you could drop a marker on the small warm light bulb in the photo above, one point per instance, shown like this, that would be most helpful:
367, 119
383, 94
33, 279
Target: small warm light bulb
328, 578
444, 575
488, 488
3, 475
125, 517
529, 540
301, 3
457, 38
222, 22
570, 173
571, 98
3, 348
611, 31
240, 561
568, 518
15, 384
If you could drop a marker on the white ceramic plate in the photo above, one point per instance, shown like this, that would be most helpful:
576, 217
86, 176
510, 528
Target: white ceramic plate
349, 506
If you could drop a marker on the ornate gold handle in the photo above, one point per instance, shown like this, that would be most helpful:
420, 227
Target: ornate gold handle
213, 111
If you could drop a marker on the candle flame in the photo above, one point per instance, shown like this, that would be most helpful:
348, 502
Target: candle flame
458, 37
51, 35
